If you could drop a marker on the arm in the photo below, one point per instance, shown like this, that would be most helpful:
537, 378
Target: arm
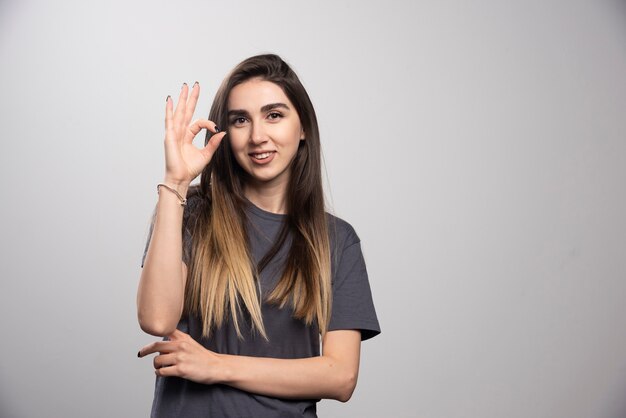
161, 287
160, 295
332, 375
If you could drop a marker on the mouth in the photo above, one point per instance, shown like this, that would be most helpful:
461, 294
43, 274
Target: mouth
260, 156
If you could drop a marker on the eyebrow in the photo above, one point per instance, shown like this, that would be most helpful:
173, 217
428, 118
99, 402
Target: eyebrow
265, 108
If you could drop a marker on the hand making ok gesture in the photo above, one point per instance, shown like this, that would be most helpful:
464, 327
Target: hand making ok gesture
183, 161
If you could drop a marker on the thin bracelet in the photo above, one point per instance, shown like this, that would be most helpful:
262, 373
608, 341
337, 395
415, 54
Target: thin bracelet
183, 201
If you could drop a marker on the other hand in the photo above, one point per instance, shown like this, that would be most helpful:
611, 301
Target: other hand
184, 357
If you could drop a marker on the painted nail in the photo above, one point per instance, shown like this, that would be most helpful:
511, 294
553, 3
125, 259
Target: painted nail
195, 84
217, 129
184, 84
138, 353
167, 98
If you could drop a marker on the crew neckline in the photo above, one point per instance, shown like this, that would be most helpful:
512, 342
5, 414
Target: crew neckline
277, 217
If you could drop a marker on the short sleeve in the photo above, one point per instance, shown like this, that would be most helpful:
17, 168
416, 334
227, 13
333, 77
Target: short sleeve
353, 306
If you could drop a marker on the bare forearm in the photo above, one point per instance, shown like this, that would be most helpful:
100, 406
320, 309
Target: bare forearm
308, 378
332, 375
161, 286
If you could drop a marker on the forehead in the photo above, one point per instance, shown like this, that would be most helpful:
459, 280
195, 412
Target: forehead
255, 93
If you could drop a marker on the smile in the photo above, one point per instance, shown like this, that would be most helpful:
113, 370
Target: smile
262, 157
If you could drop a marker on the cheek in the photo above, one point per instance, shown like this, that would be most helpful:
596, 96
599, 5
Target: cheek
237, 140
291, 133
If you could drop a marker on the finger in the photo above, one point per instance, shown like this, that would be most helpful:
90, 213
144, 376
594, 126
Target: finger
168, 112
164, 360
179, 113
195, 128
168, 371
213, 144
191, 103
157, 347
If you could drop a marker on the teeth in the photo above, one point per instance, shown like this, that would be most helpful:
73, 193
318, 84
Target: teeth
261, 156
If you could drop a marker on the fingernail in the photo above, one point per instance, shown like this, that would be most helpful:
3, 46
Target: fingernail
217, 129
195, 84
167, 98
138, 353
184, 84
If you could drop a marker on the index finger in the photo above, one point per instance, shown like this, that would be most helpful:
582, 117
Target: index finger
156, 347
195, 128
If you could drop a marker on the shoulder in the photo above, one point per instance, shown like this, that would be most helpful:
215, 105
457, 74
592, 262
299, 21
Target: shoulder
342, 233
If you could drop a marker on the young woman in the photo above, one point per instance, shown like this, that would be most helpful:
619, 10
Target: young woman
265, 273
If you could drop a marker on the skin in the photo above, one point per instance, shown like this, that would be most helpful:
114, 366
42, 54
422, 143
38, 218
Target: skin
253, 130
332, 375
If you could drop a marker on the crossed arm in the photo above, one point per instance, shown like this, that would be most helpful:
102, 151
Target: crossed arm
333, 375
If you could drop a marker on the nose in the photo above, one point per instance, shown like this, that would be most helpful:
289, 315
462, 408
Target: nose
257, 134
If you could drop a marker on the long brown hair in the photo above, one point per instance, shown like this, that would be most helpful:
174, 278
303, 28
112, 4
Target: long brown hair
222, 276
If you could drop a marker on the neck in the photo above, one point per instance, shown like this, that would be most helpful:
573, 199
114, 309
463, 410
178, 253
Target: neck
271, 198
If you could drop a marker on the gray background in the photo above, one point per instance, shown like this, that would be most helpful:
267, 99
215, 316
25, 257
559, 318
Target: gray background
478, 148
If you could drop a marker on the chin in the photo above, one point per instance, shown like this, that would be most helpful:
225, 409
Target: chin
265, 177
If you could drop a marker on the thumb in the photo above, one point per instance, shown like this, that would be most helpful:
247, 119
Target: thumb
213, 144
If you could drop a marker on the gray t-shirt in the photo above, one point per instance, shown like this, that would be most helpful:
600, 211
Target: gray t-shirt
289, 338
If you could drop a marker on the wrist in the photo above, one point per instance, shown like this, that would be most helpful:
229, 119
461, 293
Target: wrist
181, 188
178, 185
225, 370
172, 193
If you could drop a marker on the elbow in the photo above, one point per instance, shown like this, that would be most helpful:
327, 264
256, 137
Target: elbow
346, 387
156, 328
155, 321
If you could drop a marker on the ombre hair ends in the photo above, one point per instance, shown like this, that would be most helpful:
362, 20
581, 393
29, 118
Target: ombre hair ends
222, 278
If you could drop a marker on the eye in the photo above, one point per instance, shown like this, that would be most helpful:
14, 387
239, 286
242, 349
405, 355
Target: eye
238, 121
274, 116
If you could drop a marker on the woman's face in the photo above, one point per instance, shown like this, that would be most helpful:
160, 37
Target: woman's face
264, 130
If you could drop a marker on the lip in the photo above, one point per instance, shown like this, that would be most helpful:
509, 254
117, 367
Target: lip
262, 162
261, 151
